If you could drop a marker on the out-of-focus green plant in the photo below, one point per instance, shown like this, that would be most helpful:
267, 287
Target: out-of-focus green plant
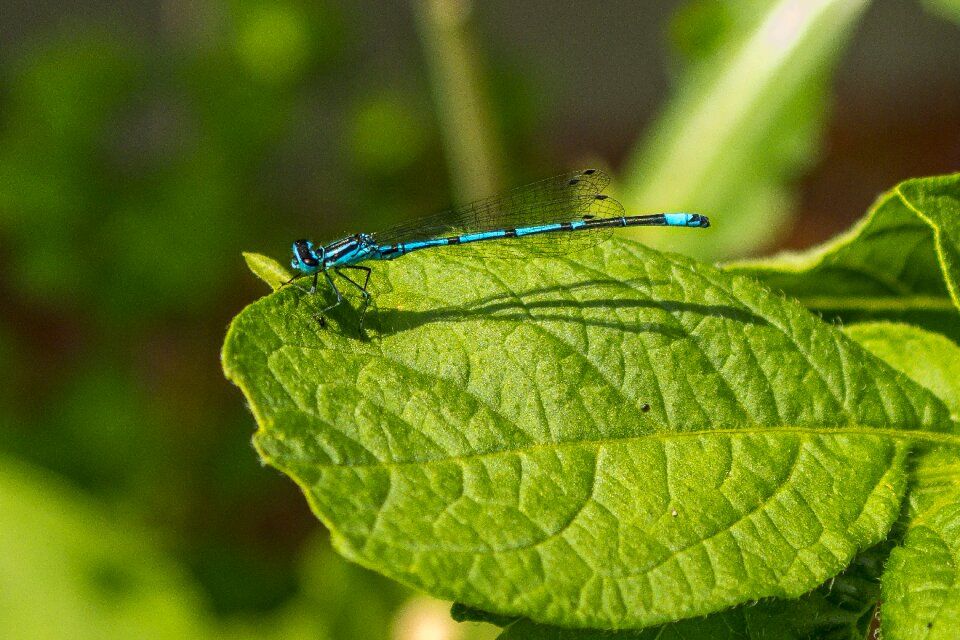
947, 8
71, 568
463, 109
744, 121
387, 134
128, 180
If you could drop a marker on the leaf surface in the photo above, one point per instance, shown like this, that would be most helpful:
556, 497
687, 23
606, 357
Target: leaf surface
840, 609
617, 439
901, 263
920, 584
267, 269
928, 358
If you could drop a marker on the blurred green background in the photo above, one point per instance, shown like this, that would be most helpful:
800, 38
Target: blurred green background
144, 145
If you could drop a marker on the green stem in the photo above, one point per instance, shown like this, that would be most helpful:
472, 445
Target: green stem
473, 153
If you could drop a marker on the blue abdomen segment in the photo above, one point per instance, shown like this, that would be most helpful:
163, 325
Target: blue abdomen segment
389, 252
685, 220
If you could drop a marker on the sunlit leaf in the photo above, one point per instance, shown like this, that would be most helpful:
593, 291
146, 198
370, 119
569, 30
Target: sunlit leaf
920, 584
928, 358
920, 594
267, 269
617, 439
901, 263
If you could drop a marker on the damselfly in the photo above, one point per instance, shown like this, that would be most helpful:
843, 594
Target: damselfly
555, 216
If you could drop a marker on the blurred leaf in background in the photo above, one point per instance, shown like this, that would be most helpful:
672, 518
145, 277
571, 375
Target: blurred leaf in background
70, 568
128, 180
69, 565
388, 134
949, 9
744, 121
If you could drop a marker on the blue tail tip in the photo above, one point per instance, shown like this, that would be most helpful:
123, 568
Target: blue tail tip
686, 220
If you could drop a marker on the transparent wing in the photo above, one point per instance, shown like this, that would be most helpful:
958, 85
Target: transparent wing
563, 198
557, 243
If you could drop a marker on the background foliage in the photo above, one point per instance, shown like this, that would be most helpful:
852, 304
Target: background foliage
143, 146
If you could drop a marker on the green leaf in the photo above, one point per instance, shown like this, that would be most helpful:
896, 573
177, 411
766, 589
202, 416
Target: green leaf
69, 568
267, 269
617, 439
921, 583
744, 121
69, 564
949, 9
927, 358
901, 263
841, 609
715, 627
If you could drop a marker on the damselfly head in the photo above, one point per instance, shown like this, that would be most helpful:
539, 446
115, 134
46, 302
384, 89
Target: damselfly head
305, 259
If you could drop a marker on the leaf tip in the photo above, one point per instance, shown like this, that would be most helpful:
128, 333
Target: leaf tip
267, 269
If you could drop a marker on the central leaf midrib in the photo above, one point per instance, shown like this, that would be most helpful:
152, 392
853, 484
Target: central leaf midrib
935, 437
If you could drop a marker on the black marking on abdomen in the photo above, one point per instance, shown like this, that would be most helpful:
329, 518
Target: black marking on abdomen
602, 223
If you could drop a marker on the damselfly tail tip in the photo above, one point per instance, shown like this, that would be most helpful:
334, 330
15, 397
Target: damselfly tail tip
683, 220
